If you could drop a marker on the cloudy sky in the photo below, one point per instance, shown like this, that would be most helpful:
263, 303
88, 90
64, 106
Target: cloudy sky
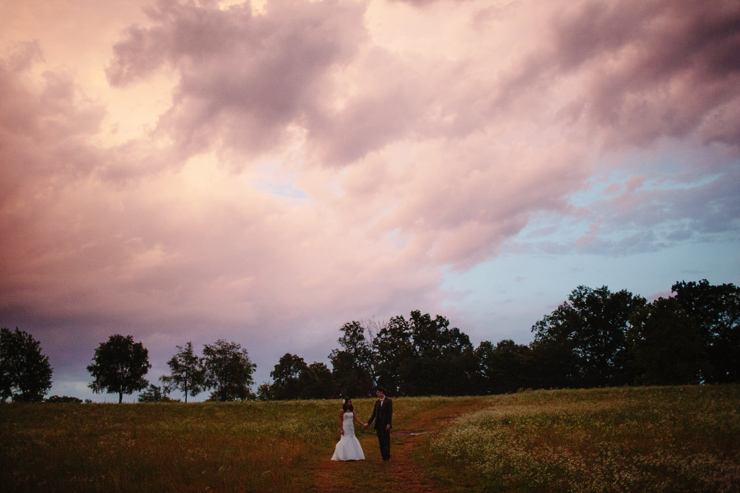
265, 172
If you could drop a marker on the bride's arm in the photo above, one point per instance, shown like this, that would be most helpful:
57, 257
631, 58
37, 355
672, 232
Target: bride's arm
341, 421
354, 416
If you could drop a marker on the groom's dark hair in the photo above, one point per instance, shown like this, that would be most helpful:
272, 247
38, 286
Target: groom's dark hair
380, 389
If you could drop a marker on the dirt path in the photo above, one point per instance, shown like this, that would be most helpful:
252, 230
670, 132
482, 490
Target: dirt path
402, 473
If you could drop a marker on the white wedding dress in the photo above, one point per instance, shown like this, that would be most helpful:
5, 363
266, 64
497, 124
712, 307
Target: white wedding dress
349, 447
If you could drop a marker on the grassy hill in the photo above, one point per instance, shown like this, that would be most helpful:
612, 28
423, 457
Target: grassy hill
626, 439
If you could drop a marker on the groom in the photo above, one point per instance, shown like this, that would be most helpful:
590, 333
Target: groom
383, 411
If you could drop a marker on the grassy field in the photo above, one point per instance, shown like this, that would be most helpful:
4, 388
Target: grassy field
253, 446
672, 439
163, 447
632, 439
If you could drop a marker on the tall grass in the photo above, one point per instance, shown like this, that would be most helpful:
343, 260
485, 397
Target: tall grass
163, 447
253, 446
602, 440
630, 439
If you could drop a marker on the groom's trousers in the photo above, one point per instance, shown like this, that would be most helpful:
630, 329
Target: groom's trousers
384, 439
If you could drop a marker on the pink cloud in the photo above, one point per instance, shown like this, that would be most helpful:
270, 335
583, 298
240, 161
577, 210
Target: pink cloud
244, 79
635, 182
408, 159
639, 71
662, 66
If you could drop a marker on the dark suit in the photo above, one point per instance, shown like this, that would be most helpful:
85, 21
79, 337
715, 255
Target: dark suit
384, 414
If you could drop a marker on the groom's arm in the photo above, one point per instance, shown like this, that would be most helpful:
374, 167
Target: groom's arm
375, 410
390, 414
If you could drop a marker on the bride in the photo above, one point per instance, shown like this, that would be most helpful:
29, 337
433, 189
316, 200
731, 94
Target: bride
349, 447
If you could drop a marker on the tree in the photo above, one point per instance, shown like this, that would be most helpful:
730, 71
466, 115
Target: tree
715, 312
588, 331
350, 379
65, 399
352, 366
264, 392
507, 367
392, 347
286, 377
228, 371
187, 372
294, 379
153, 393
25, 373
665, 347
443, 361
119, 366
423, 356
317, 382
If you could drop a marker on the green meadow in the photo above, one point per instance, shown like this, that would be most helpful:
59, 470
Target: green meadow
637, 439
622, 439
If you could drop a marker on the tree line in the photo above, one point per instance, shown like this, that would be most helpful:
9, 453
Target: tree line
595, 338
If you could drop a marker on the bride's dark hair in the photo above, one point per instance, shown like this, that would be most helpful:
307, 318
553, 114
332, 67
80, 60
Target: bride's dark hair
347, 407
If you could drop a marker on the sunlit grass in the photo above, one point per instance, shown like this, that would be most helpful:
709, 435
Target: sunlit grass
601, 440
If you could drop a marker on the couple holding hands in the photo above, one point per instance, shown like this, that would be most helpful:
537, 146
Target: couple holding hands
349, 447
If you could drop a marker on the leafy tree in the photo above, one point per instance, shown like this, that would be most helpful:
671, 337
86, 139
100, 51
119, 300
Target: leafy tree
65, 399
153, 393
507, 367
423, 356
228, 371
554, 361
589, 332
187, 372
484, 379
119, 366
264, 392
353, 364
393, 348
286, 377
25, 373
317, 382
443, 361
294, 379
665, 347
350, 380
715, 312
